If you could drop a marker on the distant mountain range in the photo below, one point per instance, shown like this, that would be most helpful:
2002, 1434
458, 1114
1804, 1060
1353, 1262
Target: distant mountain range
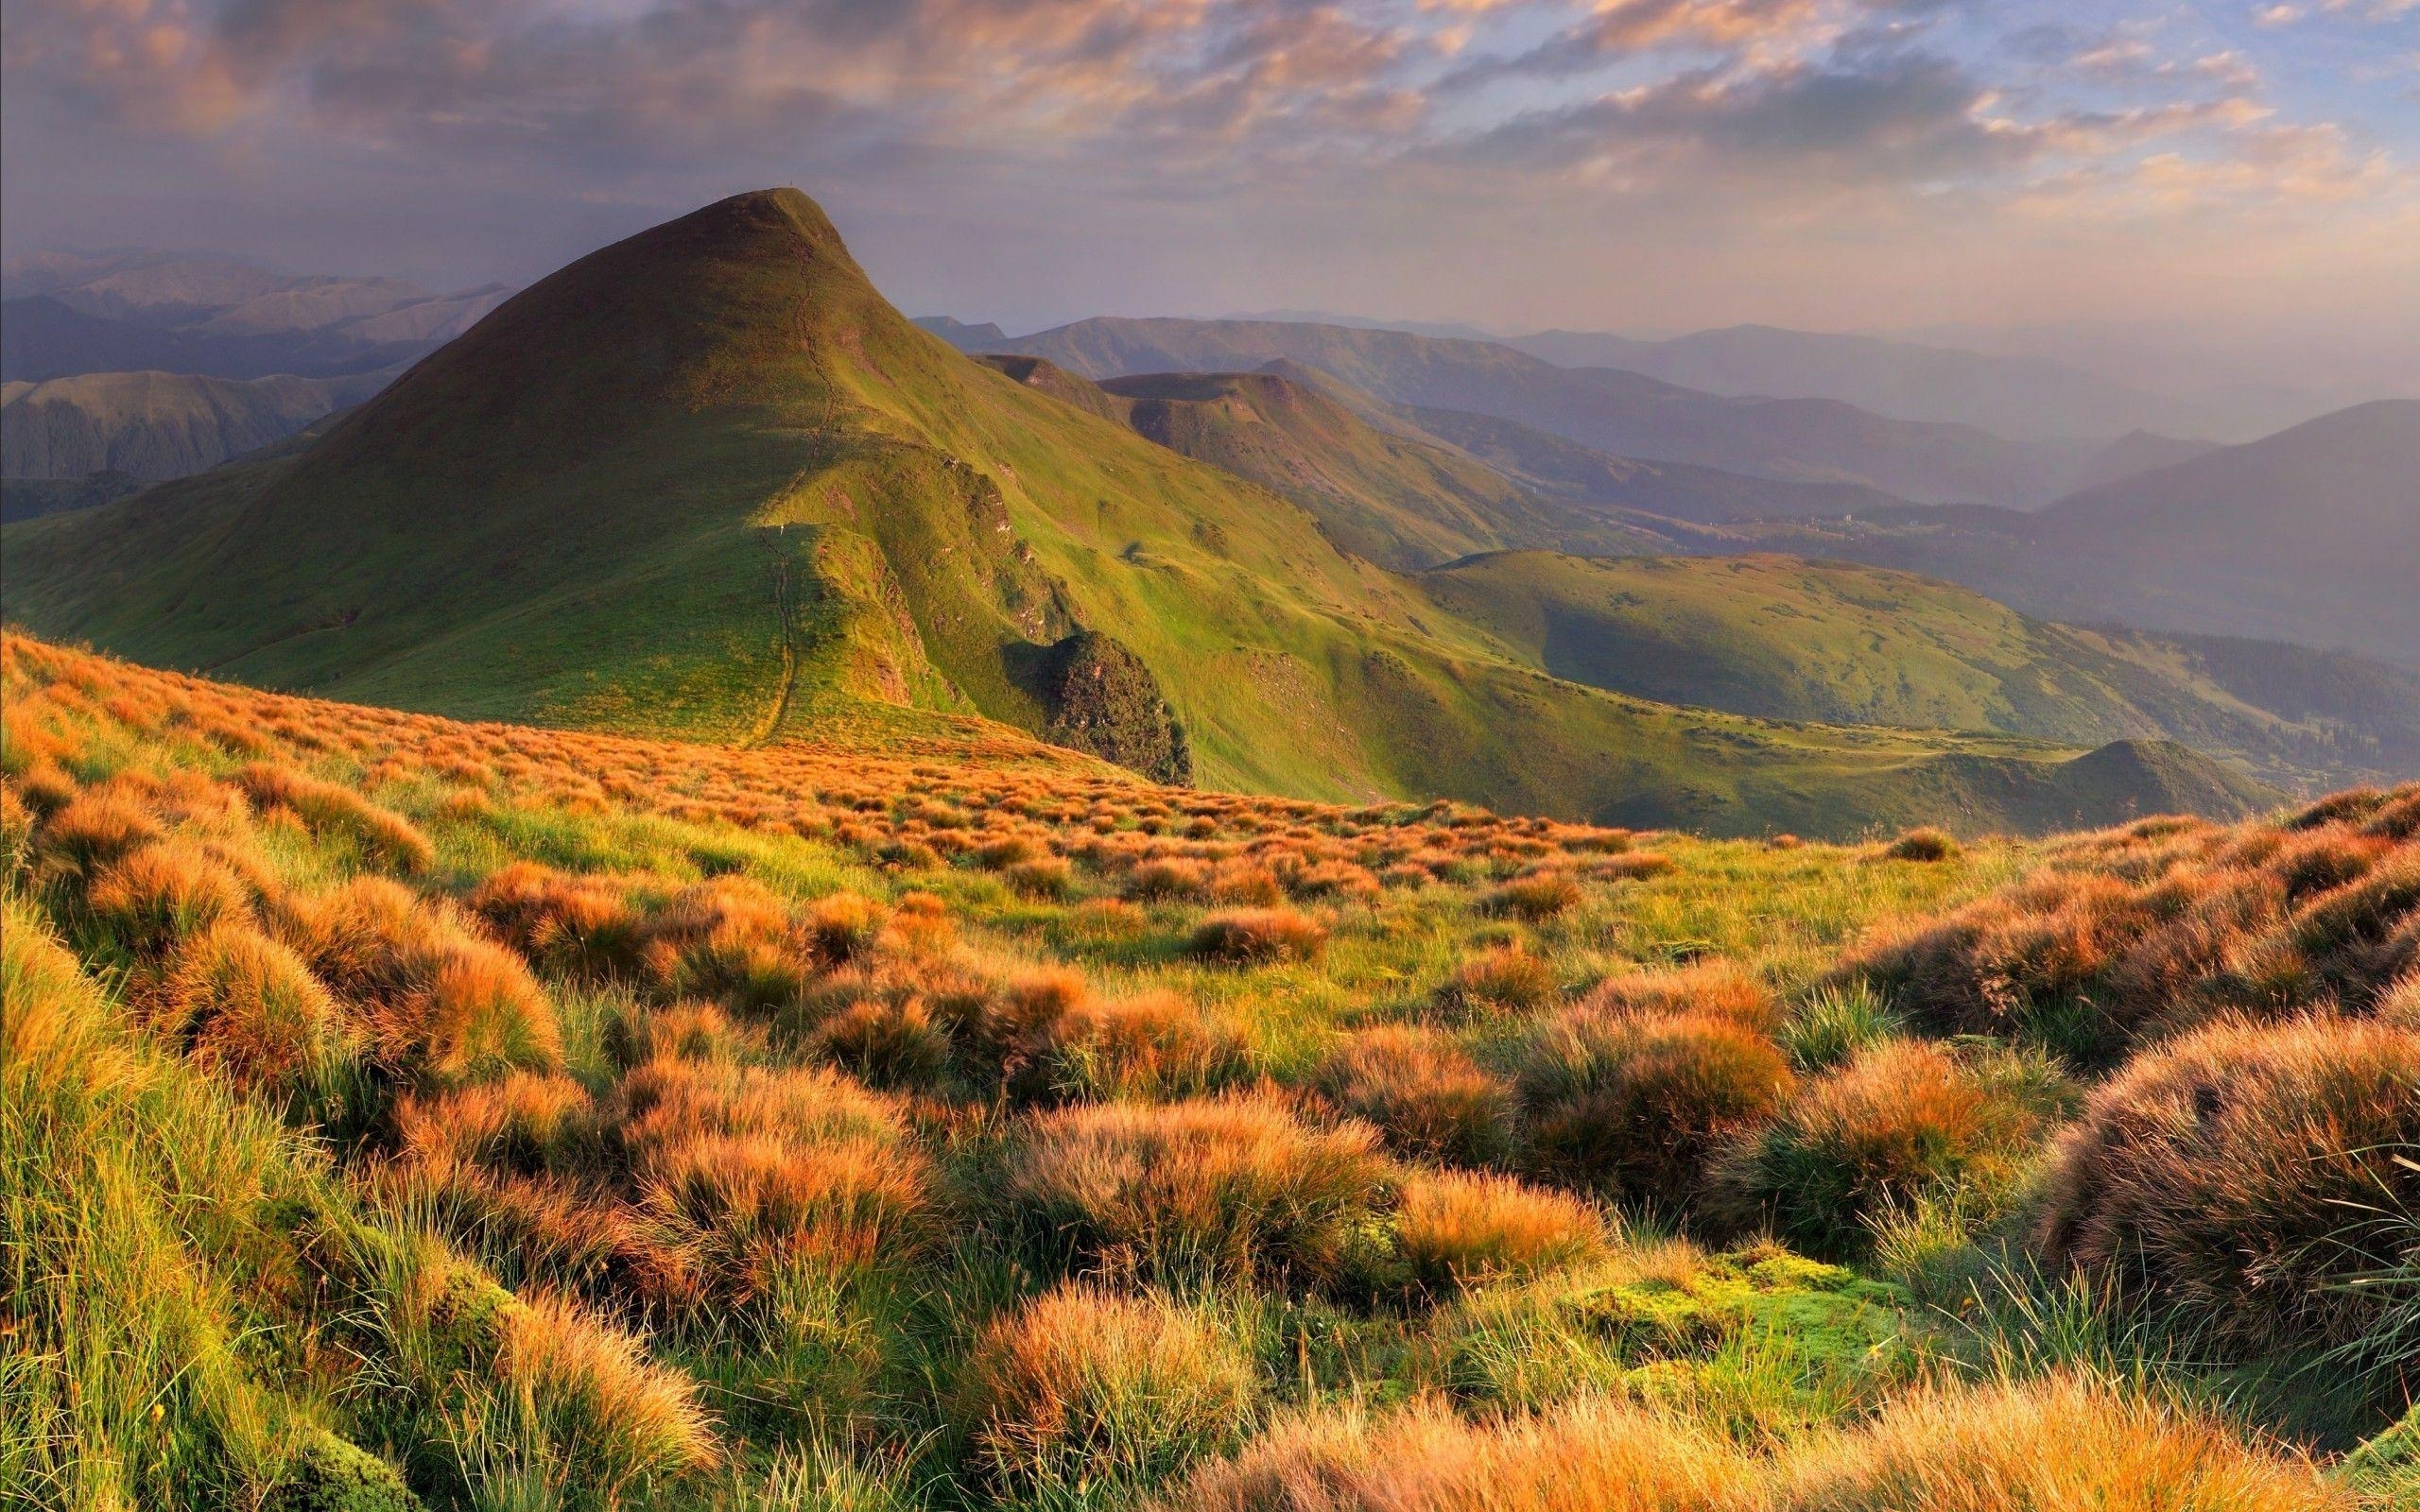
157, 425
2310, 535
2012, 396
67, 314
1810, 440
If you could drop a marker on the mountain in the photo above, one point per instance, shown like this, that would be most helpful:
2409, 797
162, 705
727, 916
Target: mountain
2311, 534
129, 312
959, 334
157, 426
42, 339
1786, 638
2135, 452
1399, 500
1563, 468
2019, 396
706, 482
1626, 413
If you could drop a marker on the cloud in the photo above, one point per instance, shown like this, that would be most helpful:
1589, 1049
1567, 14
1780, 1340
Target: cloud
1181, 129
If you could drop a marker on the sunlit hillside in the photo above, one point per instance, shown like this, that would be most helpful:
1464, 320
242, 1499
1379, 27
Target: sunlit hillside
407, 1113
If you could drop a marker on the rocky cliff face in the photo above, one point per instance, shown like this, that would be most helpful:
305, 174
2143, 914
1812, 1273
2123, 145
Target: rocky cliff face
1103, 699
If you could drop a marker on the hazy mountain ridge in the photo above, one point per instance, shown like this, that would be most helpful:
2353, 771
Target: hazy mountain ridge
1625, 413
69, 313
2014, 396
2311, 534
157, 425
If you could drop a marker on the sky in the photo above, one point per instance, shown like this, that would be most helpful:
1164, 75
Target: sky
2238, 167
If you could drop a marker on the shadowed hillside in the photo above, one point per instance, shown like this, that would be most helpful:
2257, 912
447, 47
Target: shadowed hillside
1784, 638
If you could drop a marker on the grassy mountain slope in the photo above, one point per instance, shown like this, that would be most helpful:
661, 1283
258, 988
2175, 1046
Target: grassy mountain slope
156, 426
1786, 638
2310, 535
707, 482
1801, 439
1397, 499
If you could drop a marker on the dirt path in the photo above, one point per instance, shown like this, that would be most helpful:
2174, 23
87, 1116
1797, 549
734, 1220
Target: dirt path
786, 610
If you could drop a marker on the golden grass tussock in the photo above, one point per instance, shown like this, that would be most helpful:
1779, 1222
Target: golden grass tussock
246, 1006
1236, 1186
763, 1172
1426, 1094
1590, 1456
1454, 1228
1635, 1105
1256, 937
383, 834
2145, 931
95, 828
443, 1001
616, 1416
2248, 1175
153, 897
581, 925
1082, 1386
1498, 979
1718, 990
1903, 1120
1151, 1045
2062, 1442
1923, 844
1536, 897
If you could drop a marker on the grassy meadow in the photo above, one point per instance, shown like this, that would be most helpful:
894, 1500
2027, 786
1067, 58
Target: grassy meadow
398, 1112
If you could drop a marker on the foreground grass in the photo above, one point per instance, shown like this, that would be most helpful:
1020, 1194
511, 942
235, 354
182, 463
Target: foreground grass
401, 1112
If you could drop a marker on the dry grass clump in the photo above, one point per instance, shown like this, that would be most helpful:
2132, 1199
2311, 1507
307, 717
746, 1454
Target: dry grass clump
619, 1418
1423, 1092
1167, 880
1635, 1105
96, 827
728, 938
1923, 844
441, 999
2055, 1444
151, 897
2149, 931
763, 1173
1454, 1228
581, 925
246, 1006
1714, 989
1537, 897
887, 1040
1228, 1187
2248, 1175
1252, 937
1902, 1120
1500, 979
1082, 1386
1153, 1045
383, 834
1591, 1456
